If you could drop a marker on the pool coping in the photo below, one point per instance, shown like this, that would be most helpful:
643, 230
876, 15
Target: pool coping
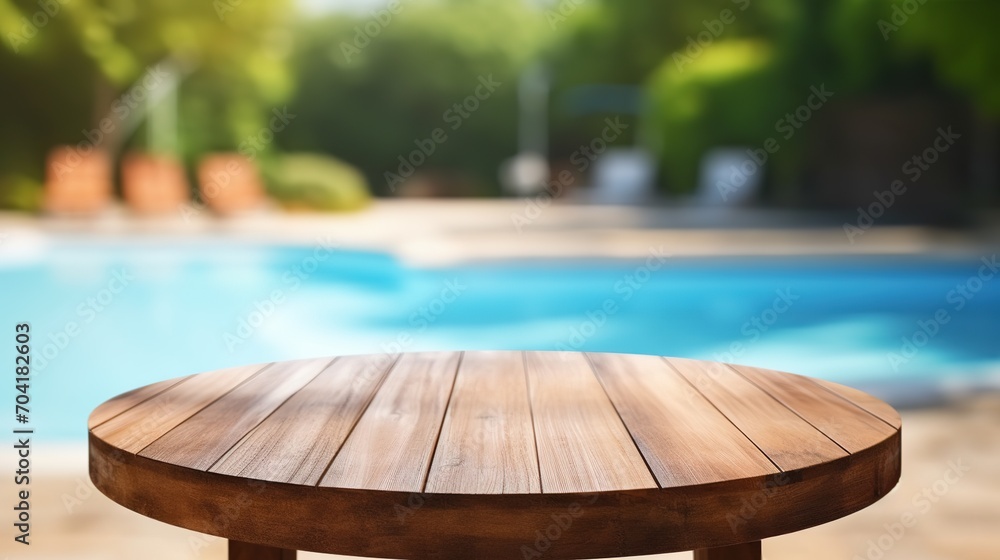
437, 233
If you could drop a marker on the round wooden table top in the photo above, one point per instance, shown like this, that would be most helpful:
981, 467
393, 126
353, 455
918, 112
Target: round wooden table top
495, 454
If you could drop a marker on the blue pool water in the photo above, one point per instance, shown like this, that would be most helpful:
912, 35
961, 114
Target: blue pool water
109, 317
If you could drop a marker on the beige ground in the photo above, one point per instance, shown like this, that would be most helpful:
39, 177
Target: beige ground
437, 232
74, 521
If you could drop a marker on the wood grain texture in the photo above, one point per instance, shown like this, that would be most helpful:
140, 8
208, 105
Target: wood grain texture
436, 464
125, 401
788, 440
202, 439
683, 437
582, 444
138, 427
297, 442
498, 527
852, 428
487, 443
867, 402
392, 445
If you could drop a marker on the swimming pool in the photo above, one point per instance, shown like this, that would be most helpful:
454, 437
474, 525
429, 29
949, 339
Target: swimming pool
108, 317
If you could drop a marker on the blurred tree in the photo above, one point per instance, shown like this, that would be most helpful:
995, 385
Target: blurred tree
627, 42
374, 88
624, 41
727, 97
80, 62
43, 104
858, 48
959, 38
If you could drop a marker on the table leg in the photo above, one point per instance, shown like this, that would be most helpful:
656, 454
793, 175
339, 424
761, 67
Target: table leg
246, 551
745, 551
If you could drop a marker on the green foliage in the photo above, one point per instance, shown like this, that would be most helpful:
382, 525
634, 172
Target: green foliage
368, 97
961, 40
21, 193
844, 44
728, 96
43, 100
71, 72
316, 182
624, 41
369, 88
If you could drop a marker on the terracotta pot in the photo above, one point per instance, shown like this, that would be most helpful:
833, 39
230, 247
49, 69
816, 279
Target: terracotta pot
154, 184
229, 183
77, 182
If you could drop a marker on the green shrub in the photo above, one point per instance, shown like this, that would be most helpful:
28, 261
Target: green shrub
19, 192
316, 182
726, 97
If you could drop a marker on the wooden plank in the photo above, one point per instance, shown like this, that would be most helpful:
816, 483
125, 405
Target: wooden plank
867, 402
745, 551
582, 444
485, 527
788, 440
246, 551
146, 422
487, 443
301, 437
682, 436
392, 444
852, 428
203, 438
125, 401
580, 437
